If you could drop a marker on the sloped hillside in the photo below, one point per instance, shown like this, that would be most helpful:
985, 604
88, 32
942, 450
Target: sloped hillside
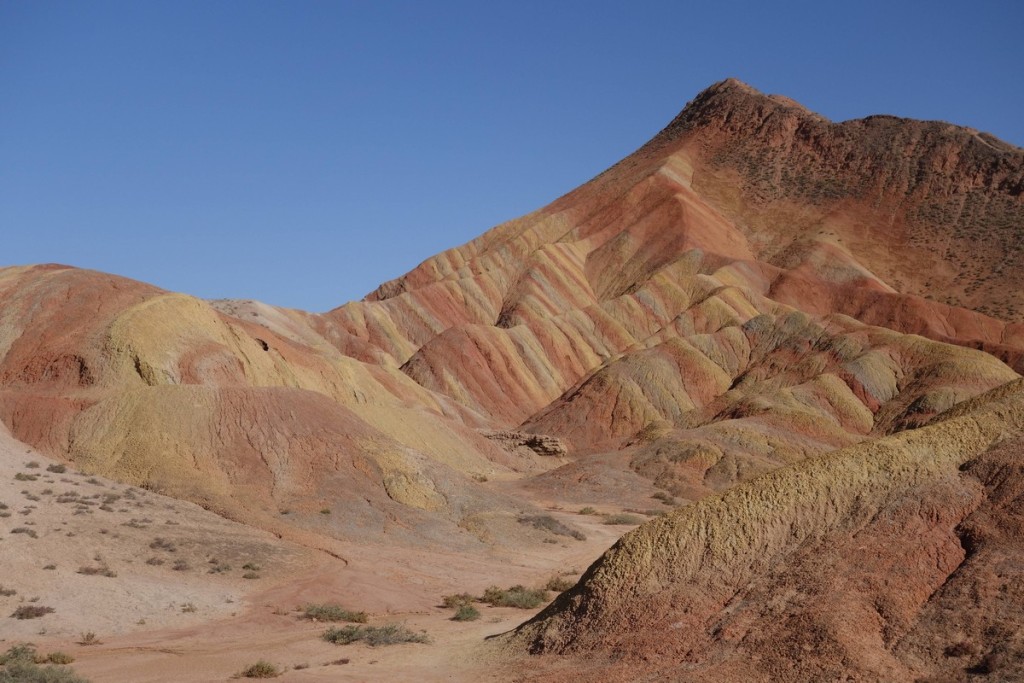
745, 291
893, 560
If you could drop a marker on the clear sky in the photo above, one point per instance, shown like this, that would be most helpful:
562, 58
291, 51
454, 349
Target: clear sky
302, 152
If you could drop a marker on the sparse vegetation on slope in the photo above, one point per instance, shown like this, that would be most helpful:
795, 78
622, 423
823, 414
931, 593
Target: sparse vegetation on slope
261, 669
516, 596
374, 636
332, 612
23, 664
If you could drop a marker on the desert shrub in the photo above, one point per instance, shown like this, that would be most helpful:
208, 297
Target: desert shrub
558, 584
261, 669
50, 567
250, 575
32, 465
332, 612
251, 566
28, 672
623, 518
89, 638
457, 600
159, 543
101, 570
31, 612
21, 476
374, 636
665, 497
7, 592
466, 613
155, 561
180, 566
57, 469
59, 658
18, 653
343, 635
516, 596
587, 511
551, 525
25, 530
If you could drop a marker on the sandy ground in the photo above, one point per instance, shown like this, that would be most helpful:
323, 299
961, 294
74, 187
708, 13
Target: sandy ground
207, 621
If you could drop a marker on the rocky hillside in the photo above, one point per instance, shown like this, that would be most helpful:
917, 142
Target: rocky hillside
753, 287
893, 560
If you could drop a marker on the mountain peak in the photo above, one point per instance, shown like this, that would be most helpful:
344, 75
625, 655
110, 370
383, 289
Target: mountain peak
730, 103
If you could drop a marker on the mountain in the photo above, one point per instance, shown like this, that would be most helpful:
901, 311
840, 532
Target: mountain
810, 330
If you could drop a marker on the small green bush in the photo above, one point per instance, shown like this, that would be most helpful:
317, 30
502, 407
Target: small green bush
623, 518
665, 497
559, 584
466, 613
457, 600
29, 672
18, 653
57, 469
551, 525
31, 612
101, 570
261, 669
516, 596
159, 543
331, 612
374, 636
89, 638
587, 511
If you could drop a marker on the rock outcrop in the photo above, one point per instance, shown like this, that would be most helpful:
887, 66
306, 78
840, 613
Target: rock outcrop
893, 560
541, 444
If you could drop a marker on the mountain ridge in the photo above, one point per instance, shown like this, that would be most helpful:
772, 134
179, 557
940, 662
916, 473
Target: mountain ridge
756, 295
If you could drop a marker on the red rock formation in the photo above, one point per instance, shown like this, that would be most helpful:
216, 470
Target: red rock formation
890, 561
741, 293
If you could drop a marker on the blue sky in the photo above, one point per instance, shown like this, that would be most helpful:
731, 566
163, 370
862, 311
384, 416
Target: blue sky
301, 153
